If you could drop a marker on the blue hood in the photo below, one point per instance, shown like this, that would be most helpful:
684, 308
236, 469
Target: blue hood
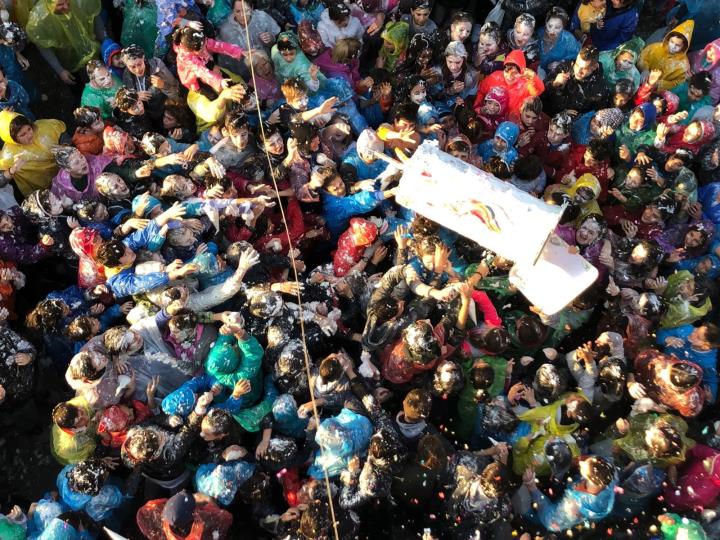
508, 132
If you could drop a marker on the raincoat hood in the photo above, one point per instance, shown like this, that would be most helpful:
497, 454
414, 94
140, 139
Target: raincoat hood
586, 180
634, 46
499, 95
684, 29
397, 34
508, 132
649, 114
364, 232
5, 118
703, 63
516, 57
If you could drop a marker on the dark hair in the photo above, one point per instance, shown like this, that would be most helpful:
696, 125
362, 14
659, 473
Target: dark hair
426, 245
330, 369
625, 87
46, 316
530, 331
85, 210
528, 168
219, 421
224, 182
599, 149
64, 415
151, 143
87, 476
84, 367
236, 121
496, 340
126, 98
712, 334
495, 480
132, 52
338, 11
110, 252
418, 402
404, 111
458, 146
189, 38
460, 16
16, 124
80, 328
601, 471
581, 413
86, 116
532, 104
556, 12
385, 308
589, 53
431, 452
142, 444
701, 80
667, 444
498, 168
684, 375
184, 319
482, 376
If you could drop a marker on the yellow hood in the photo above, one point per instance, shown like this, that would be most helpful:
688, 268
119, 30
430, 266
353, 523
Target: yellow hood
685, 29
5, 118
586, 180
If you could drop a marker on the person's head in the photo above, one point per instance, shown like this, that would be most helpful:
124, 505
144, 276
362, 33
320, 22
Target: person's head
624, 61
663, 441
459, 148
496, 165
448, 379
420, 344
418, 90
111, 186
530, 331
91, 211
431, 453
586, 63
70, 159
404, 116
89, 118
134, 58
339, 13
623, 94
523, 29
179, 512
178, 187
183, 325
699, 85
676, 43
68, 416
495, 480
122, 340
482, 376
21, 130
637, 120
155, 145
345, 50
189, 38
591, 230
83, 328
265, 304
142, 444
460, 26
455, 57
597, 470
129, 102
559, 128
238, 129
287, 48
61, 7
705, 337
330, 369
530, 111
216, 425
490, 38
88, 366
578, 409
87, 477
99, 74
659, 210
296, 93
47, 315
261, 63
417, 405
114, 254
555, 21
596, 152
420, 12
612, 376
306, 136
242, 12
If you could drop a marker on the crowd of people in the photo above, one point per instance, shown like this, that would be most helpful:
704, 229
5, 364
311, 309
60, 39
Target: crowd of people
233, 330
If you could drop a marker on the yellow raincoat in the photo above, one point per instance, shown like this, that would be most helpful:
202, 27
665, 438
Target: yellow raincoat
529, 450
675, 67
40, 167
70, 35
71, 448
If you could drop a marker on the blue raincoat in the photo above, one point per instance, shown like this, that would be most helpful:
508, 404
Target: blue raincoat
574, 507
566, 47
508, 132
340, 438
99, 507
221, 481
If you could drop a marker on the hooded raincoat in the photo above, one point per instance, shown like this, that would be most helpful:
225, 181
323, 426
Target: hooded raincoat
610, 70
40, 166
70, 35
674, 66
700, 62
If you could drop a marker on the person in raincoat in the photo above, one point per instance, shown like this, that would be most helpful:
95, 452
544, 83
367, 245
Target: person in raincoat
636, 132
658, 438
590, 498
66, 32
84, 486
683, 308
502, 144
290, 61
100, 91
669, 56
519, 81
709, 60
340, 438
559, 419
556, 43
698, 483
395, 43
72, 434
620, 63
27, 155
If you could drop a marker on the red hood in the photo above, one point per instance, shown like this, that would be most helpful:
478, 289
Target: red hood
364, 232
516, 57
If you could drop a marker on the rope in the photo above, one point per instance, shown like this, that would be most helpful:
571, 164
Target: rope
295, 272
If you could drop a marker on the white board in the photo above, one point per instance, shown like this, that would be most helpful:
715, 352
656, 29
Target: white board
557, 277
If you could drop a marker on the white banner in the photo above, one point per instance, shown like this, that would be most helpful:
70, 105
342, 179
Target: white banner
493, 213
557, 277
